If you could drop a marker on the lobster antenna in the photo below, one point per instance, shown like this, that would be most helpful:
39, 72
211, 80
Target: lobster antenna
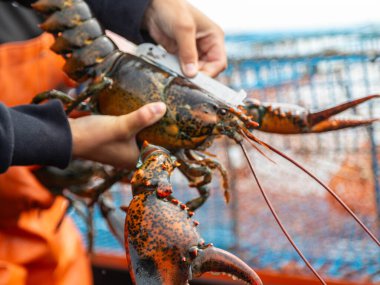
328, 189
277, 218
259, 150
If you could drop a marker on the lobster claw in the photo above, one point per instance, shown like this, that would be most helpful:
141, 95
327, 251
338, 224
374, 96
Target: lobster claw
293, 119
321, 122
213, 259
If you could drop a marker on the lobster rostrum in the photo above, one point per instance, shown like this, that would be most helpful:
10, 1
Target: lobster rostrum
121, 83
161, 239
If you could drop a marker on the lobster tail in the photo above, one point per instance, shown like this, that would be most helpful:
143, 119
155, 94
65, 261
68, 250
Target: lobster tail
214, 259
79, 38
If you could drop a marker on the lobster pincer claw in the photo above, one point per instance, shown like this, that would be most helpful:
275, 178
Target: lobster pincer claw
213, 259
165, 247
293, 119
161, 238
322, 121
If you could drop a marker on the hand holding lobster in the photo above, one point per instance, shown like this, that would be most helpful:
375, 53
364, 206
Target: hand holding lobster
111, 140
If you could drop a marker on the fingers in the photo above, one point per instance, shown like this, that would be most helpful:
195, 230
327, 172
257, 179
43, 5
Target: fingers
215, 61
210, 43
169, 44
184, 34
171, 24
143, 117
213, 69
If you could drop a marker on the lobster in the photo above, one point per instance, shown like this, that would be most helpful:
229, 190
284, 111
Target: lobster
119, 83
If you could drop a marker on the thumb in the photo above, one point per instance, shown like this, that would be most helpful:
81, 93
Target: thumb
187, 48
144, 117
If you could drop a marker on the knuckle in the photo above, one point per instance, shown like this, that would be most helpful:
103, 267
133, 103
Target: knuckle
186, 25
144, 115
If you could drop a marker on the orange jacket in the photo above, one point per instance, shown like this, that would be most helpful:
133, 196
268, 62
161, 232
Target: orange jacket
33, 249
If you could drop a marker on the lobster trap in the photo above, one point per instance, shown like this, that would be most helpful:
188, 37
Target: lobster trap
315, 70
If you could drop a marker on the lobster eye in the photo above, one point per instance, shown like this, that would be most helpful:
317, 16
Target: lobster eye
222, 112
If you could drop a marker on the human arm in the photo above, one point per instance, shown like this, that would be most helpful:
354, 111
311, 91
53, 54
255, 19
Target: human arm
34, 134
123, 17
41, 134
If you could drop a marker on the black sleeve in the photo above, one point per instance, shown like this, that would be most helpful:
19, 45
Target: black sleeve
123, 17
34, 134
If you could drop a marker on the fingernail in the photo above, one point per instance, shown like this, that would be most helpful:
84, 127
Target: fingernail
158, 108
190, 69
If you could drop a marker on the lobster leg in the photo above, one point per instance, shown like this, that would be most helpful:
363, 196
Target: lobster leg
72, 103
212, 164
90, 230
114, 217
89, 92
199, 177
107, 184
76, 178
197, 168
195, 203
53, 94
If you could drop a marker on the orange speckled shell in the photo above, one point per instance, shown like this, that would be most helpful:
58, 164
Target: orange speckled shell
281, 125
159, 235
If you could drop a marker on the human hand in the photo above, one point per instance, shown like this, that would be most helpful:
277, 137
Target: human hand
181, 28
112, 139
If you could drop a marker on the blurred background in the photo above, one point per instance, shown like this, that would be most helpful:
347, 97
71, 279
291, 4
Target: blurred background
272, 15
316, 55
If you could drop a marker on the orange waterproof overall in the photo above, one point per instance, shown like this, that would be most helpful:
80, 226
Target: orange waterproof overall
33, 250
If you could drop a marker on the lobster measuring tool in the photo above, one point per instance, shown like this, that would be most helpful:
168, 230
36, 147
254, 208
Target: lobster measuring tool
160, 57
